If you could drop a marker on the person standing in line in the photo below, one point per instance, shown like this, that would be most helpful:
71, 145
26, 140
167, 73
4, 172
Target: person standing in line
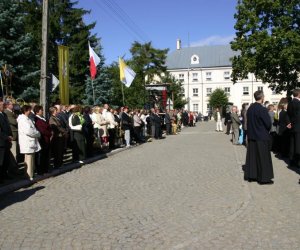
168, 123
259, 165
42, 160
294, 115
5, 144
28, 139
58, 139
244, 122
126, 125
12, 119
235, 122
76, 121
111, 128
218, 119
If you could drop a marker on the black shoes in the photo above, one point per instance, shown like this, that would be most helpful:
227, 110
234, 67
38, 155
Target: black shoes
266, 183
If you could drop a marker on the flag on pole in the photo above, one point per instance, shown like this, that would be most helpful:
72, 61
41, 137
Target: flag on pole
55, 82
126, 73
94, 61
63, 68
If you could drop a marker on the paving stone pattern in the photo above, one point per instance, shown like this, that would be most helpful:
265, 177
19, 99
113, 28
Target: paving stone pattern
183, 192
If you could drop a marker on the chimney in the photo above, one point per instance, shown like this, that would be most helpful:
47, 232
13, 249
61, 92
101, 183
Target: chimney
178, 44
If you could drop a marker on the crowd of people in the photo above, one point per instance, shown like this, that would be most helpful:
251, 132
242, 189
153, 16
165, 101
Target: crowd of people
263, 127
28, 135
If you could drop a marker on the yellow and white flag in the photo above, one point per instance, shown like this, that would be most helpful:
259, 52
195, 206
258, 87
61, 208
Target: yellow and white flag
63, 69
127, 75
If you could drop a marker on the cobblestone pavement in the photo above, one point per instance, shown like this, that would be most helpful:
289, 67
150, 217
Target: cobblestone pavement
184, 192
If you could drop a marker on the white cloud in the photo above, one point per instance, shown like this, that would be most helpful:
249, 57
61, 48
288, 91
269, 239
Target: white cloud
213, 40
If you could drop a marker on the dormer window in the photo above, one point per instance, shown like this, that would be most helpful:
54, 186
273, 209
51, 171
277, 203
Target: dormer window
195, 59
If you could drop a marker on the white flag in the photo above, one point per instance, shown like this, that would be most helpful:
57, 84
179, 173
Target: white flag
55, 82
126, 73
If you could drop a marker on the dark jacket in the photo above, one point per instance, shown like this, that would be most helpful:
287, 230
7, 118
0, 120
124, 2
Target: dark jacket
294, 114
284, 120
5, 131
126, 121
258, 122
44, 128
12, 119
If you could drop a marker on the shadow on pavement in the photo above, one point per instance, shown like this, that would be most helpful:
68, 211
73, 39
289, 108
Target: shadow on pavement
9, 199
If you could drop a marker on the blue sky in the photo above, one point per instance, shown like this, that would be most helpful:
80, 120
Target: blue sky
195, 22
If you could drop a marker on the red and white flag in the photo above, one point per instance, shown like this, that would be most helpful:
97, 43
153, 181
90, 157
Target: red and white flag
94, 61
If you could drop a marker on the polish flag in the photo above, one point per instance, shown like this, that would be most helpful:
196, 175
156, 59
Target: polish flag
94, 61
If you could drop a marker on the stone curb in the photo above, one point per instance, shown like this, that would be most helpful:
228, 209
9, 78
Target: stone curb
67, 168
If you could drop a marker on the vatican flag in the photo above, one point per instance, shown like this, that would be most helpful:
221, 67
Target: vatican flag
63, 68
127, 75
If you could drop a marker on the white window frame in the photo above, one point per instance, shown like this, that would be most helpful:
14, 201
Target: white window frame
195, 91
195, 107
195, 77
260, 88
245, 90
208, 91
208, 76
227, 90
227, 75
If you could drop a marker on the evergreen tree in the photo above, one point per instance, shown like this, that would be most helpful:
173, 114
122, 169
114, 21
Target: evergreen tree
268, 37
16, 46
66, 27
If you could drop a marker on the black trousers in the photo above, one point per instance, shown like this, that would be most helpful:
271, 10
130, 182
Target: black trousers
42, 159
57, 149
112, 137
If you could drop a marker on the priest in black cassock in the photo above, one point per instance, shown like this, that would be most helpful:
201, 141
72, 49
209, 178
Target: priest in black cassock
259, 165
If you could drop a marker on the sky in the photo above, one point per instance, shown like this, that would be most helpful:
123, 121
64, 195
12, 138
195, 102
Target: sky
196, 22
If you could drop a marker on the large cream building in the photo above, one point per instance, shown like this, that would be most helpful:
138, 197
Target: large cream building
205, 68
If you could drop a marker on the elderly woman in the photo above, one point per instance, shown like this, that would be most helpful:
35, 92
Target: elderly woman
28, 139
101, 124
43, 156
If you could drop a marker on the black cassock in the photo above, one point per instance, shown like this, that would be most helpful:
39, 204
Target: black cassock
259, 165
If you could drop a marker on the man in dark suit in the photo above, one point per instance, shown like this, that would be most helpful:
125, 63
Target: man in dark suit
5, 144
293, 111
259, 165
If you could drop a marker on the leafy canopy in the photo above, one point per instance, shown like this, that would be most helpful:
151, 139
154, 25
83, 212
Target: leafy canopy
268, 38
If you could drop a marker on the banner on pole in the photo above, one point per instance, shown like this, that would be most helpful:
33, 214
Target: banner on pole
63, 68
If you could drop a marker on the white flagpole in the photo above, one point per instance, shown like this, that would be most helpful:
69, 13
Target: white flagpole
93, 91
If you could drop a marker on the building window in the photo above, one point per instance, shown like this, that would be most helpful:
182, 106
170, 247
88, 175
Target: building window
181, 76
245, 90
195, 107
226, 75
195, 77
195, 92
227, 90
260, 88
208, 108
208, 76
208, 91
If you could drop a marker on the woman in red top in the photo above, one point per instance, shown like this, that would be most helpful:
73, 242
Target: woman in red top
42, 159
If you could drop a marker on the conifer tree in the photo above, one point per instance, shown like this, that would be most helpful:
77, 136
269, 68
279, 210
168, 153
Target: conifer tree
16, 46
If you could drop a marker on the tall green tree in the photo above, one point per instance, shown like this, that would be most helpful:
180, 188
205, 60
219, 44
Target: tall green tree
146, 62
66, 27
218, 98
16, 46
268, 38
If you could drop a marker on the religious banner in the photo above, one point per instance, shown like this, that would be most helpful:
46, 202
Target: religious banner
63, 68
